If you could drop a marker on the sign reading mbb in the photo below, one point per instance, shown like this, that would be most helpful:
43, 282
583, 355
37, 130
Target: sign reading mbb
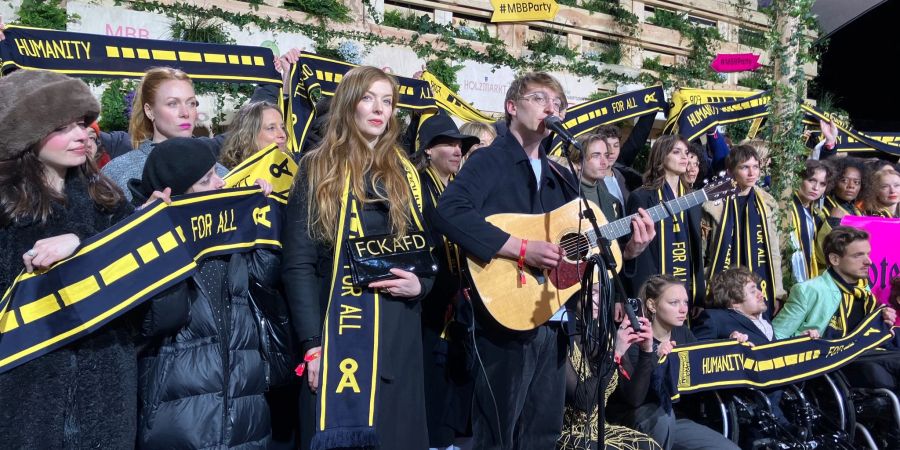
523, 10
735, 62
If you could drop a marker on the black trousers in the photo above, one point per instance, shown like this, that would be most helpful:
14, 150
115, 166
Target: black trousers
520, 393
875, 369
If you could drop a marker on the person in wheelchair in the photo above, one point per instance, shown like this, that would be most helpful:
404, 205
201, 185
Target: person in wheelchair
637, 403
736, 312
834, 303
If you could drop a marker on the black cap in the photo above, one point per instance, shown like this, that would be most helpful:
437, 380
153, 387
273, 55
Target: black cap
176, 163
441, 125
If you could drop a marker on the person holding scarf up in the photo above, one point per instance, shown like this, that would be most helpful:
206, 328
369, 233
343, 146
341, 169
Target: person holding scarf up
362, 344
676, 249
446, 318
52, 198
806, 220
743, 228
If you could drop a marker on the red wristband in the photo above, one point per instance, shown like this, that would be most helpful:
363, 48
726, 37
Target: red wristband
618, 361
301, 368
521, 262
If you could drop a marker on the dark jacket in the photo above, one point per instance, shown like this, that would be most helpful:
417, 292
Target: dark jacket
306, 274
82, 395
720, 323
203, 377
498, 179
647, 264
493, 182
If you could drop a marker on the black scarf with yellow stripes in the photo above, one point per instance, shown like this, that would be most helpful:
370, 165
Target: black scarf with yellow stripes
805, 235
857, 302
831, 202
348, 393
675, 244
743, 240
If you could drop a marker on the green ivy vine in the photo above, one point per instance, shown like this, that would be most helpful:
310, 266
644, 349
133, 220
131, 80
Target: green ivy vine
44, 14
704, 40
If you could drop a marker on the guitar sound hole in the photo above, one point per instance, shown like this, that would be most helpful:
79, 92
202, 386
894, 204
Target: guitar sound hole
574, 246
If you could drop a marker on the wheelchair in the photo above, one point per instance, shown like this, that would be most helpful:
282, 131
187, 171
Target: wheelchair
821, 413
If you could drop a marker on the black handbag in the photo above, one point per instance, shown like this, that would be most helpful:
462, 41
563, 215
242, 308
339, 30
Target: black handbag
372, 257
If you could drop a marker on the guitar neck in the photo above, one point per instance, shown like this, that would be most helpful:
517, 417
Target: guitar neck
622, 227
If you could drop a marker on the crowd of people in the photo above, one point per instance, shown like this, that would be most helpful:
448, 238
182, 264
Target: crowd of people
189, 368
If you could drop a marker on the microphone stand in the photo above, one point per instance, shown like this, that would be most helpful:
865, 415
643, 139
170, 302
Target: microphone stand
604, 259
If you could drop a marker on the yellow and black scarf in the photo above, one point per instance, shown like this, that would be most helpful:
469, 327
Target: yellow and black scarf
675, 244
857, 302
831, 202
349, 380
883, 213
724, 364
743, 240
435, 189
122, 267
805, 235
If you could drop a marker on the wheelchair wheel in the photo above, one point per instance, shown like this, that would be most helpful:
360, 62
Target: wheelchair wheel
711, 410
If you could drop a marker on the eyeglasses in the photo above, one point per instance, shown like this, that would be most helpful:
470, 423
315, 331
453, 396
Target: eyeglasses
542, 100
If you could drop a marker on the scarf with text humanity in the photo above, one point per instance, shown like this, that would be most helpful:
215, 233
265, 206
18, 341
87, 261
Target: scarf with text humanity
350, 339
127, 264
724, 364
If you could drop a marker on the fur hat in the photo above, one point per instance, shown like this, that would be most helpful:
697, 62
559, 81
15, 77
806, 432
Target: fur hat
33, 103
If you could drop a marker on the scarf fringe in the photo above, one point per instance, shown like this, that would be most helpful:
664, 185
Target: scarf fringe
356, 437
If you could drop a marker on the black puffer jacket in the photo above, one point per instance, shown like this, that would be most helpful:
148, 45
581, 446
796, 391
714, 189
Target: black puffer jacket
82, 395
202, 377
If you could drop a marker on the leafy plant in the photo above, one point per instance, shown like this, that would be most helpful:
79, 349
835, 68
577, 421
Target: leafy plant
752, 38
445, 72
44, 14
324, 9
756, 80
199, 29
115, 106
549, 44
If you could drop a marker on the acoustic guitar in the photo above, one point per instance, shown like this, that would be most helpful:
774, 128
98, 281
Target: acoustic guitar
525, 306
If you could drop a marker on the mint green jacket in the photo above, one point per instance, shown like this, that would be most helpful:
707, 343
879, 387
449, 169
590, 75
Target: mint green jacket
811, 304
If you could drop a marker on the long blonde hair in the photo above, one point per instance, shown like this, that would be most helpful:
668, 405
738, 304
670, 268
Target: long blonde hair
873, 186
241, 141
140, 127
343, 149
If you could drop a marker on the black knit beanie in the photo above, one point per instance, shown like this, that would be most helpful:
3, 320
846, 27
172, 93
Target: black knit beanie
176, 163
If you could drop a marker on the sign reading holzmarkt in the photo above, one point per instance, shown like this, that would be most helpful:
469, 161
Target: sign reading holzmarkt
523, 10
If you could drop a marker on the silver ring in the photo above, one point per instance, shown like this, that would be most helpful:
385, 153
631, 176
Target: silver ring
31, 253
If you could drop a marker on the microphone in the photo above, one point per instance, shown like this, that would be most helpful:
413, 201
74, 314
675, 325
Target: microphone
555, 125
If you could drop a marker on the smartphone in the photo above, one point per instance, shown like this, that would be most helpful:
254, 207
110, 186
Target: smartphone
633, 310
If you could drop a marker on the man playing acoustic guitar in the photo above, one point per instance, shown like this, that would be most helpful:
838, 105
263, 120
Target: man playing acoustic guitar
519, 393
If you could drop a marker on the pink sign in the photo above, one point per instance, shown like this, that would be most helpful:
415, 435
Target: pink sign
883, 235
735, 62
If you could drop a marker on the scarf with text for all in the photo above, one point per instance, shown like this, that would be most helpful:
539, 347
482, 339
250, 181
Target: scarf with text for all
451, 102
675, 245
743, 240
724, 364
804, 235
119, 269
857, 302
350, 344
587, 116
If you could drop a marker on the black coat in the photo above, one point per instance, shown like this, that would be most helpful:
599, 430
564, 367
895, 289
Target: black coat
306, 274
720, 323
83, 395
647, 264
203, 377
